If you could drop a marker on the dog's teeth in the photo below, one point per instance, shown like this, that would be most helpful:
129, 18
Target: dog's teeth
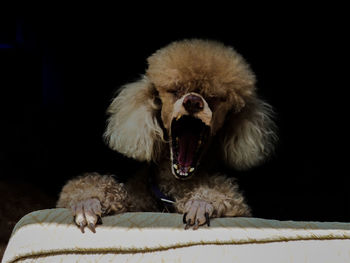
175, 166
178, 117
191, 169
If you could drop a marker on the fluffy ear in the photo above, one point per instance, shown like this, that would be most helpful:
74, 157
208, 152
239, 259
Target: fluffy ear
133, 128
249, 136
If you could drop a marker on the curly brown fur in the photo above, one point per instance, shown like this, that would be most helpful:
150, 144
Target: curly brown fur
194, 109
216, 189
112, 195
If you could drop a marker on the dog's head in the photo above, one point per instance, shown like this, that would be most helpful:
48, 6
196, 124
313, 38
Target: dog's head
192, 90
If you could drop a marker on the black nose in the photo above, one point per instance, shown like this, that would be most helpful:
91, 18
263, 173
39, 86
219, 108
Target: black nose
193, 103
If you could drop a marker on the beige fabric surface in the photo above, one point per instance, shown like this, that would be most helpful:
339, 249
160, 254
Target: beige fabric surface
51, 236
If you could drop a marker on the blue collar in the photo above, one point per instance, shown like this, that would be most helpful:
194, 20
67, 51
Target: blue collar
164, 199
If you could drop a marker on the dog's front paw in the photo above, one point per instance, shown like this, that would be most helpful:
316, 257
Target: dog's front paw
197, 213
87, 213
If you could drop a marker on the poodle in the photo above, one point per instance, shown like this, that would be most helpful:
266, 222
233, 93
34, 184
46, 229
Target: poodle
195, 111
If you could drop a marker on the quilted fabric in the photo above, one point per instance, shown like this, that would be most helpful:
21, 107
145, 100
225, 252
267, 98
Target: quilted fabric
51, 236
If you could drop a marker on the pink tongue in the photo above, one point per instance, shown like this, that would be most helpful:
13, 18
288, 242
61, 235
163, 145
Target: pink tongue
187, 147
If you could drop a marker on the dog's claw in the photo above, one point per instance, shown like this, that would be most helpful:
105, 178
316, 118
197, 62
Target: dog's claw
82, 226
91, 226
207, 219
188, 225
197, 213
184, 218
87, 213
196, 225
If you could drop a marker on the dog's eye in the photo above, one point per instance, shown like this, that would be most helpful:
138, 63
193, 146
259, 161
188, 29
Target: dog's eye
175, 92
212, 101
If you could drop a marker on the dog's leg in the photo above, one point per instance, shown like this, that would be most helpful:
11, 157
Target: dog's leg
87, 213
197, 213
216, 196
91, 196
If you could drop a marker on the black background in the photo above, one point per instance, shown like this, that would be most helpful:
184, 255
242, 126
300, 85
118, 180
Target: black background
59, 71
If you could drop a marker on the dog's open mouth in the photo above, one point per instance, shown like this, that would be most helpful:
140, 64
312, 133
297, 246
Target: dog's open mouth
188, 138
